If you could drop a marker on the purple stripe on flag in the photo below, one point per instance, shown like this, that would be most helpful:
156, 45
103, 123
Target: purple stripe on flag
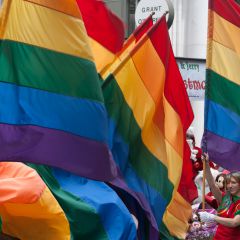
39, 145
222, 151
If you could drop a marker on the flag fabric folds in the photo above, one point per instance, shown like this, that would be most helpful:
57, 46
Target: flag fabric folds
27, 207
105, 31
52, 113
93, 209
149, 114
75, 208
51, 105
222, 108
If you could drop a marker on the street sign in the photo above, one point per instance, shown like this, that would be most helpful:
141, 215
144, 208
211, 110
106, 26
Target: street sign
159, 7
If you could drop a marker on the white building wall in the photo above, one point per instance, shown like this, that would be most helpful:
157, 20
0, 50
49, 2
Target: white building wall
189, 30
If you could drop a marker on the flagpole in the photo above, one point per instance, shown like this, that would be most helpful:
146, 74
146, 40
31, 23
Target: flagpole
203, 185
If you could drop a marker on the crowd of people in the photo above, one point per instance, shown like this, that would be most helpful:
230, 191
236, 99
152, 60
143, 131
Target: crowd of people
228, 211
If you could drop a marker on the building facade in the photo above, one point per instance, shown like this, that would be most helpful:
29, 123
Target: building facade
188, 31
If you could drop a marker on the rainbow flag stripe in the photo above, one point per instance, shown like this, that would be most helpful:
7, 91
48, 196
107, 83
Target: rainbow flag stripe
91, 207
137, 34
26, 202
105, 31
222, 108
149, 115
128, 46
52, 109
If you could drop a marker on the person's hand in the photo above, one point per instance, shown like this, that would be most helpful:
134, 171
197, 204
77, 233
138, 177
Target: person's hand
205, 157
206, 217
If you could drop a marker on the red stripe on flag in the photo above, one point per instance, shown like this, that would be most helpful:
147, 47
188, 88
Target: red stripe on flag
142, 28
229, 10
102, 25
176, 95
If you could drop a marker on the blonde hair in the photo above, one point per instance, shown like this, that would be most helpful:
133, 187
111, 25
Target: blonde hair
236, 176
228, 177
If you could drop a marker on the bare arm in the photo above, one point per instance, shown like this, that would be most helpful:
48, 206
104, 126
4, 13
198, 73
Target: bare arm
211, 182
228, 222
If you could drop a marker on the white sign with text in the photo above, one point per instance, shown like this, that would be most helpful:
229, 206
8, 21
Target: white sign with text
146, 7
194, 75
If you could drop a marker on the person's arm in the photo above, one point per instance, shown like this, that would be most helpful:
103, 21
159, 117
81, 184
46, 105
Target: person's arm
211, 182
228, 222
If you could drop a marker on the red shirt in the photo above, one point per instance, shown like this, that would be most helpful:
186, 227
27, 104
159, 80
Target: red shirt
229, 208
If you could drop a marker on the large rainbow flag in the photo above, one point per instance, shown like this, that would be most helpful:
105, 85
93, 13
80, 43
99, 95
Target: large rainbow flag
222, 105
75, 208
51, 106
94, 211
105, 31
149, 114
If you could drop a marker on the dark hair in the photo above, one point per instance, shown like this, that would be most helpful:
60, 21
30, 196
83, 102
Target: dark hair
224, 177
190, 136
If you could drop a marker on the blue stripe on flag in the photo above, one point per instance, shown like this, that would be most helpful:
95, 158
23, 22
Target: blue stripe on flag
28, 106
222, 122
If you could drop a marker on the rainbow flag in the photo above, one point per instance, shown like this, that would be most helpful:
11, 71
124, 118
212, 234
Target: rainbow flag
94, 211
136, 35
128, 46
28, 209
149, 114
105, 31
37, 65
222, 107
51, 107
75, 208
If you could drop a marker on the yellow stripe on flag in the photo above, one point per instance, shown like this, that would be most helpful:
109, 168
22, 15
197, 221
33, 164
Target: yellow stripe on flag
50, 32
225, 62
221, 32
101, 54
176, 216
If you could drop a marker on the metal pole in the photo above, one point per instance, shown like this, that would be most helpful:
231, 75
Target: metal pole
136, 3
203, 185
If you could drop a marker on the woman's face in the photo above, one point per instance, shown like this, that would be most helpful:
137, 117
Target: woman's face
234, 187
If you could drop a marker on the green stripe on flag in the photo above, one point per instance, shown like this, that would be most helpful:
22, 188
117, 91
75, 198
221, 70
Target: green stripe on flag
47, 70
222, 91
84, 222
146, 165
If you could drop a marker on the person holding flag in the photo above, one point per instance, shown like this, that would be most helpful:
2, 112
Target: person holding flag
228, 212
